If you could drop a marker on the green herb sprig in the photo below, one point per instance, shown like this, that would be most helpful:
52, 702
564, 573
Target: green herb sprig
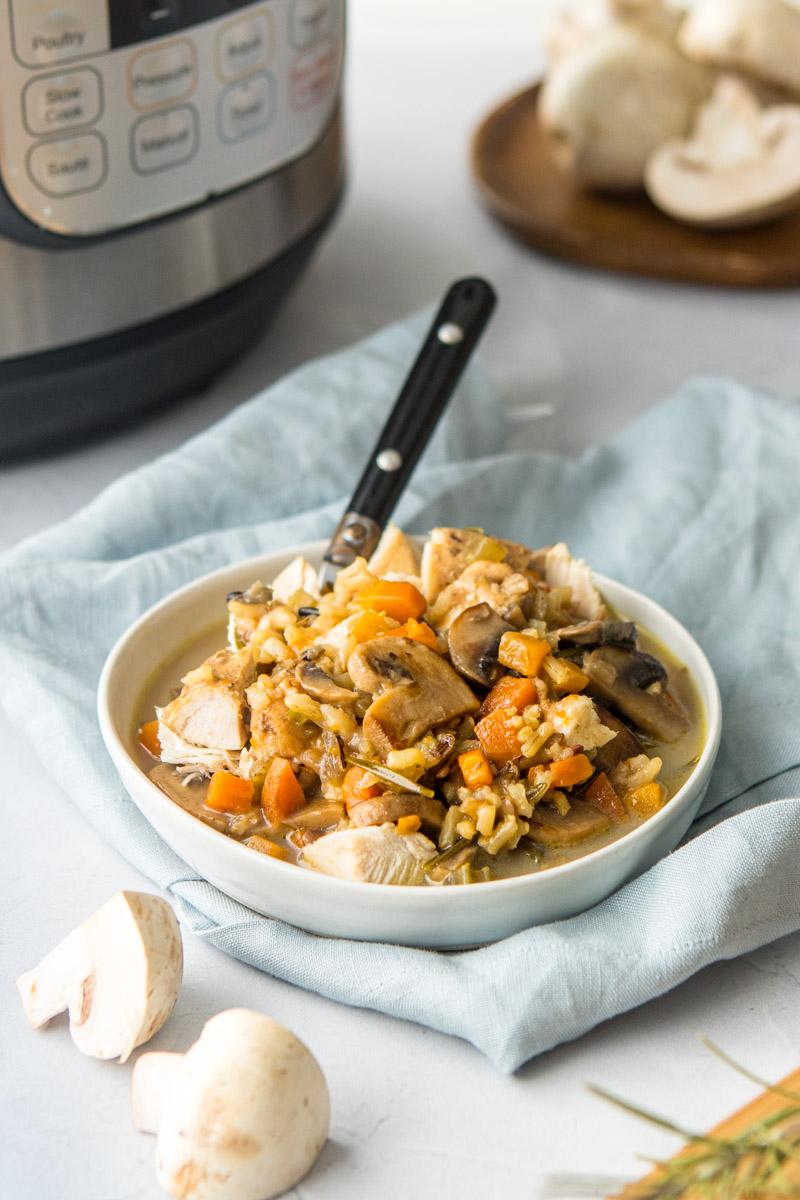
752, 1165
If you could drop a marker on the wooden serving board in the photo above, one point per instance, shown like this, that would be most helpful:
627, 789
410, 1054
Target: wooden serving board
763, 1106
523, 186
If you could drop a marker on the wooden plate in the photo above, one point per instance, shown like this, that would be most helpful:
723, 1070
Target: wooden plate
524, 188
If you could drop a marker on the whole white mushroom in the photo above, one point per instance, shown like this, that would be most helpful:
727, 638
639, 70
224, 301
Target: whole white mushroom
118, 974
759, 37
243, 1115
609, 103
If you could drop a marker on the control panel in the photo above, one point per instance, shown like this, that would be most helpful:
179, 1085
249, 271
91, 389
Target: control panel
114, 112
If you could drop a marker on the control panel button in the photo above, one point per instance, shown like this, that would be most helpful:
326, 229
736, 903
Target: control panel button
69, 165
244, 45
157, 76
53, 33
312, 75
165, 139
246, 108
310, 20
54, 102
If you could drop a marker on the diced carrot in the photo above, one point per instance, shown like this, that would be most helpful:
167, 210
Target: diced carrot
394, 597
409, 824
645, 801
265, 846
229, 793
148, 738
371, 624
564, 675
498, 735
358, 785
417, 630
600, 793
523, 653
281, 794
475, 769
510, 692
568, 772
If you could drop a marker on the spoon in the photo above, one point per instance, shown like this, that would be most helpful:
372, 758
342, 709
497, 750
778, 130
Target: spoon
451, 339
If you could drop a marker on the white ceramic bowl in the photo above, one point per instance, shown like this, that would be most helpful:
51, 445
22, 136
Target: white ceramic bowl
416, 916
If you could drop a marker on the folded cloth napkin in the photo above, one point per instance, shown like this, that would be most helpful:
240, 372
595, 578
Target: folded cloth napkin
695, 504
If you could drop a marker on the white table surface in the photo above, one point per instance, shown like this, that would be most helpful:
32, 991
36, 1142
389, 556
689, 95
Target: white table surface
414, 1113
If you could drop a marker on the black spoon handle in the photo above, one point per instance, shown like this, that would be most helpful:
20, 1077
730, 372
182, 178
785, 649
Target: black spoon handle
454, 334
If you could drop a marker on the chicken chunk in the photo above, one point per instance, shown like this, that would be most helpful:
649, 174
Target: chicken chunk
494, 583
448, 552
177, 751
209, 711
575, 719
371, 854
562, 570
395, 554
298, 576
273, 733
233, 668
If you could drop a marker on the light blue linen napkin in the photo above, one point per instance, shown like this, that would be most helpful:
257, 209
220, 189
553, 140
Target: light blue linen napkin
696, 504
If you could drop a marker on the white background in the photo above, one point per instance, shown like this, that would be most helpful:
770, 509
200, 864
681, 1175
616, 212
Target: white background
415, 1114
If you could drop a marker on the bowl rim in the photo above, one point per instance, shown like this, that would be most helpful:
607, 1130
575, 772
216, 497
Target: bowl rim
118, 750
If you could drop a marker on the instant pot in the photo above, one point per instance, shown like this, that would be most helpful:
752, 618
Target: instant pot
166, 168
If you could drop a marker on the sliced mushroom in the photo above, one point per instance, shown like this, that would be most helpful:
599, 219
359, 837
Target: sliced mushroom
600, 633
613, 100
118, 974
473, 641
759, 37
319, 685
242, 1115
583, 821
624, 745
319, 814
740, 167
391, 806
415, 690
617, 676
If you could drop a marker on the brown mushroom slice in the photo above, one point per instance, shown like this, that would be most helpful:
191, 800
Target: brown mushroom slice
473, 641
319, 814
391, 806
415, 691
740, 167
624, 745
318, 684
616, 677
583, 821
600, 633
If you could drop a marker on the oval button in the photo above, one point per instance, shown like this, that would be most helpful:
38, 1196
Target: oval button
244, 45
62, 101
168, 73
51, 33
69, 165
164, 140
310, 20
246, 108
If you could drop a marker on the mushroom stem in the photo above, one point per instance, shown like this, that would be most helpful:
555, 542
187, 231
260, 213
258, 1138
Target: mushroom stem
154, 1077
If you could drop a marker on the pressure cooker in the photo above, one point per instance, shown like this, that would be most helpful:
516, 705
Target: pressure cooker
166, 168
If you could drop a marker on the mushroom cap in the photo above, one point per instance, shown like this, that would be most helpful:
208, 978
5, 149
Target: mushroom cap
740, 167
610, 103
760, 37
119, 974
473, 641
247, 1114
576, 23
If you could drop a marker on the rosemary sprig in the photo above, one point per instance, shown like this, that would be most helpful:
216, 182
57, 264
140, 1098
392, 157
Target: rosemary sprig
751, 1165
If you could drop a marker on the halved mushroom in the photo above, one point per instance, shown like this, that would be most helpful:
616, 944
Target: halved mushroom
319, 685
583, 821
619, 677
740, 167
118, 974
599, 633
609, 103
391, 806
760, 37
415, 690
473, 640
242, 1116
